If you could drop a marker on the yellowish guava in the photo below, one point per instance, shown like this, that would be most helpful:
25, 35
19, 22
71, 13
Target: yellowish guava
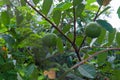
92, 30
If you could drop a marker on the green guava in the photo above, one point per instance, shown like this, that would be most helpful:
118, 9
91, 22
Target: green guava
93, 30
49, 40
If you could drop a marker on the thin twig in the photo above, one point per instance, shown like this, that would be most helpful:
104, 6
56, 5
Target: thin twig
77, 52
88, 47
74, 15
103, 11
97, 13
93, 55
74, 44
85, 60
40, 13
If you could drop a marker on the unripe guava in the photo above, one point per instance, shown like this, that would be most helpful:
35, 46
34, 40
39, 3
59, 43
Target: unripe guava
49, 40
92, 30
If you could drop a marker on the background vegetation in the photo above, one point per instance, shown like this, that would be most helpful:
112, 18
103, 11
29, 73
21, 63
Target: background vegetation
73, 56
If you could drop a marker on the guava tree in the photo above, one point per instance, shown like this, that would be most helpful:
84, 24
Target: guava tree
58, 40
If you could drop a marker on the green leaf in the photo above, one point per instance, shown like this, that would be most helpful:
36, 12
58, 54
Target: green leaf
79, 9
115, 75
90, 6
118, 12
9, 40
57, 16
4, 2
5, 19
60, 45
88, 40
87, 70
111, 37
1, 60
34, 75
105, 24
102, 36
101, 58
29, 70
79, 40
36, 1
70, 35
100, 2
77, 2
1, 2
46, 6
117, 52
108, 7
5, 68
90, 1
63, 6
118, 38
19, 17
1, 77
66, 28
11, 75
74, 76
23, 3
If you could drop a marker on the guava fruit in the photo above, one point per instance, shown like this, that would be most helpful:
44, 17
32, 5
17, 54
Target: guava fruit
93, 30
49, 40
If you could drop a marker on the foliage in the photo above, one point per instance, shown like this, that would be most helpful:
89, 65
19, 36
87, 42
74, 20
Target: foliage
24, 54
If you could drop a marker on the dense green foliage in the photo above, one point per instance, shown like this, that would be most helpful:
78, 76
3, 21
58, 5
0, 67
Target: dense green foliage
41, 38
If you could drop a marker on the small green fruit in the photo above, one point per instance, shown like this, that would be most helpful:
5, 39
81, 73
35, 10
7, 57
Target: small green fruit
49, 40
93, 30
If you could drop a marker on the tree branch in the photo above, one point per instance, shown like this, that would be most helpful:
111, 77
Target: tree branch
40, 13
72, 43
97, 13
93, 55
85, 60
74, 15
77, 52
